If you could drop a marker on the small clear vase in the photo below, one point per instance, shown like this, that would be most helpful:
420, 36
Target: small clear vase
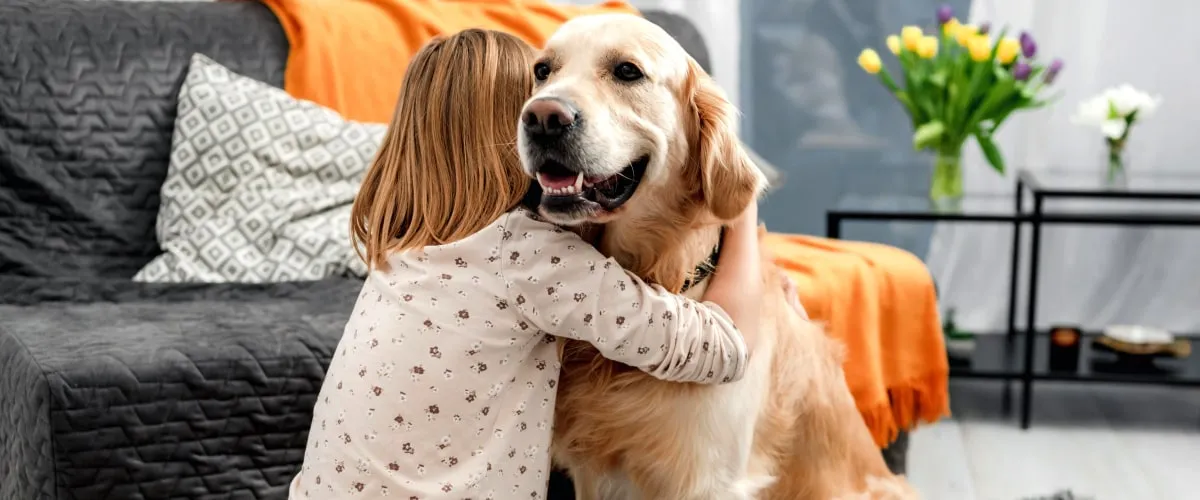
946, 184
1115, 174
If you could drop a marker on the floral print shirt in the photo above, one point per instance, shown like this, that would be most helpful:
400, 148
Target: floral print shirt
443, 384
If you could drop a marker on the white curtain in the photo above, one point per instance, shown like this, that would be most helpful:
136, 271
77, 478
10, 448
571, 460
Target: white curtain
1090, 276
718, 21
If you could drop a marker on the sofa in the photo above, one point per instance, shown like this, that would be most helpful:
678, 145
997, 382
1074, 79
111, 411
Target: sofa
115, 389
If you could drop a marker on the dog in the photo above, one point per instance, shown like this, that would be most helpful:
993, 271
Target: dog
626, 131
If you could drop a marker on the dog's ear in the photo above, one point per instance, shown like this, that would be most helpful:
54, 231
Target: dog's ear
729, 180
773, 175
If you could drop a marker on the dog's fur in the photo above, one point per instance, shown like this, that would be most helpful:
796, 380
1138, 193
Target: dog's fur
789, 429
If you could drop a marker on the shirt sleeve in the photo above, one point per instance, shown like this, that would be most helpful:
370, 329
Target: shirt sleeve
564, 286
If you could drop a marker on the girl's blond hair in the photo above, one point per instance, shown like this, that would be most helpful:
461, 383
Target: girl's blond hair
448, 165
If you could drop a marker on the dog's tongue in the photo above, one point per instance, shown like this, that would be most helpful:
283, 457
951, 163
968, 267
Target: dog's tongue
555, 181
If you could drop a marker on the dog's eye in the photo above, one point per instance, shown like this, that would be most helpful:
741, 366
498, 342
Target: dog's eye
627, 72
541, 71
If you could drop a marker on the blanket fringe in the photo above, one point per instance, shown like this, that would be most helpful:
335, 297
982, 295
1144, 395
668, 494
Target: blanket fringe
925, 400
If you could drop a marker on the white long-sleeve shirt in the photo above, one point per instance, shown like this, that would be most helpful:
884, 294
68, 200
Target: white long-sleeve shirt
443, 384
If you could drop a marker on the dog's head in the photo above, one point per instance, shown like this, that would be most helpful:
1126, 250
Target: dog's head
622, 117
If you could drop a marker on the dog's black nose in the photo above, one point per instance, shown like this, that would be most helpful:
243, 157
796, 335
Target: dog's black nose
549, 117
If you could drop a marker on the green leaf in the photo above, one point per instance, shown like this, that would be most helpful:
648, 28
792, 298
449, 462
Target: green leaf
912, 88
1001, 73
1003, 112
927, 134
978, 76
998, 94
990, 151
1054, 97
939, 77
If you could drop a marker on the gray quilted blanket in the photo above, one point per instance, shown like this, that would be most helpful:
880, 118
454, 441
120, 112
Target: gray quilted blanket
120, 390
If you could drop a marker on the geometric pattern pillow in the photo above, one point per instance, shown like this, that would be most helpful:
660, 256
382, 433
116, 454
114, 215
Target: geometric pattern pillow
259, 185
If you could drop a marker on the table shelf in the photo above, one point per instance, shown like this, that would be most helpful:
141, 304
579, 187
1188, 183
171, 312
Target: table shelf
1000, 357
1003, 357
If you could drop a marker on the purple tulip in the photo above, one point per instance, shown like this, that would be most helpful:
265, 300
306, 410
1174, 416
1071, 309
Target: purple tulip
1028, 46
1021, 71
984, 28
1053, 70
945, 14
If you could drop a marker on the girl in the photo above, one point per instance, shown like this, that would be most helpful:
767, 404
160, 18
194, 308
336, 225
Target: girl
443, 384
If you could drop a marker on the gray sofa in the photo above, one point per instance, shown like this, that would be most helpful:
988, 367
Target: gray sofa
111, 389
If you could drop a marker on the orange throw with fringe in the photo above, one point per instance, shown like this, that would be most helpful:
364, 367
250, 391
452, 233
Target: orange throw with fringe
350, 55
880, 301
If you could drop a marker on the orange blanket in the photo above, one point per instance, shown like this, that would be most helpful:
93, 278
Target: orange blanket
350, 55
880, 301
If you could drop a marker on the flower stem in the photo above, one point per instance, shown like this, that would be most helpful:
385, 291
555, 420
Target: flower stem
1116, 160
947, 173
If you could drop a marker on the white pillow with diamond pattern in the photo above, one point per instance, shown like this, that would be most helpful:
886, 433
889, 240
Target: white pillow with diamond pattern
259, 185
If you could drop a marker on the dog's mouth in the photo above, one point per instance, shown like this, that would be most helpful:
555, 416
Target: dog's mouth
561, 186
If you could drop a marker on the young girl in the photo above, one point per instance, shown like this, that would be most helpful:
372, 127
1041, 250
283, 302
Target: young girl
443, 384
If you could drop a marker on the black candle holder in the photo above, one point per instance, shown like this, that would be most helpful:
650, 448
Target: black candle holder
1065, 342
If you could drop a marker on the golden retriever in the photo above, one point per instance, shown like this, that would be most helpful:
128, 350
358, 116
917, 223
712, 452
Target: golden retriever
626, 130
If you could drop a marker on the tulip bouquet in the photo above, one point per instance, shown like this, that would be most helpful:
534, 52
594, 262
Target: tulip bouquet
960, 82
1114, 112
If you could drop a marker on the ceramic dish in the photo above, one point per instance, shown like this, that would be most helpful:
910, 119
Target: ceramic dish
1137, 334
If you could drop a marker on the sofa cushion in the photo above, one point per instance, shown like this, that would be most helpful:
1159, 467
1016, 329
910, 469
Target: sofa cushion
117, 390
260, 184
87, 105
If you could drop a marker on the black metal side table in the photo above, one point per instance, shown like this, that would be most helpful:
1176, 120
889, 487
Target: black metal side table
998, 356
1146, 190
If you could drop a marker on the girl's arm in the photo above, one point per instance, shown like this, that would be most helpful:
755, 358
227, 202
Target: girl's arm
564, 286
737, 283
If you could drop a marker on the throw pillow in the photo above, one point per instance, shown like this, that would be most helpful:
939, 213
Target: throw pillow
259, 185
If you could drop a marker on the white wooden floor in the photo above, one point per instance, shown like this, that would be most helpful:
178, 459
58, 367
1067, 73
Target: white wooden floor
1101, 442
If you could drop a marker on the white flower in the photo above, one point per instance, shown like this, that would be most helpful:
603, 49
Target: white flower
1111, 110
1095, 112
1126, 100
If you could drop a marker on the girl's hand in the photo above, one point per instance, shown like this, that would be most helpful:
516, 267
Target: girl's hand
793, 296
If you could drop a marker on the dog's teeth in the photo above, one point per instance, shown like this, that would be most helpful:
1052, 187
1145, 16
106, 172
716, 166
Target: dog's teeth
578, 182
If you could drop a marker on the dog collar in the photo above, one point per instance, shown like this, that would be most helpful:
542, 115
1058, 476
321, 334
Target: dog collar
705, 268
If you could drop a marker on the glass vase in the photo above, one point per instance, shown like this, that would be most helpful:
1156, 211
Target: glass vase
946, 185
1115, 174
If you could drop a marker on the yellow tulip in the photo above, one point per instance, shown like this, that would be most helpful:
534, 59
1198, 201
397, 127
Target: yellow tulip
893, 44
980, 47
964, 33
927, 47
951, 27
911, 36
869, 60
1007, 49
